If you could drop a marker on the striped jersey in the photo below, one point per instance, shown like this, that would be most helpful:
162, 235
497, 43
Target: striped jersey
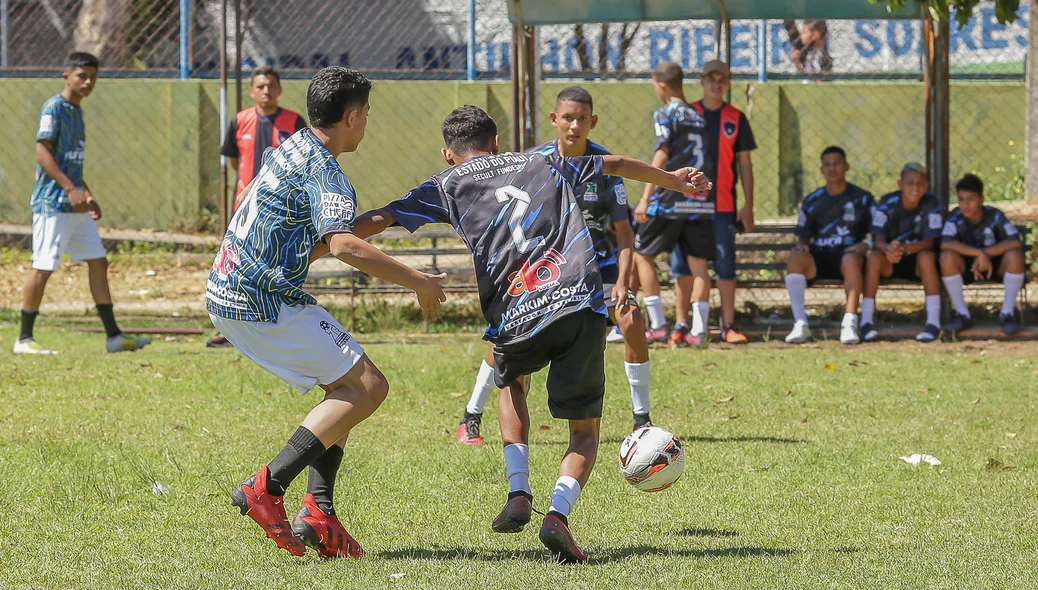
61, 123
300, 195
533, 255
835, 222
601, 205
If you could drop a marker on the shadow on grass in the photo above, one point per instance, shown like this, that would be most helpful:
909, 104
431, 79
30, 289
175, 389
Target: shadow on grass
693, 532
596, 557
704, 439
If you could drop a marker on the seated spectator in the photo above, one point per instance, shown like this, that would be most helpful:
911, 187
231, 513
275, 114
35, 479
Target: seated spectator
810, 51
979, 243
906, 225
831, 229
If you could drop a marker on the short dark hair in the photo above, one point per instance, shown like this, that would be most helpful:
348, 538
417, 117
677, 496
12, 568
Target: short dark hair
468, 129
575, 94
81, 59
971, 183
834, 149
818, 26
267, 71
669, 73
332, 92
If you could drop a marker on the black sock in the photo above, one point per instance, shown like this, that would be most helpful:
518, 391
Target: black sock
108, 319
302, 449
520, 493
28, 321
561, 516
321, 483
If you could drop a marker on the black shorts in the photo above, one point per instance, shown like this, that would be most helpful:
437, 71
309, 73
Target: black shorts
828, 265
661, 235
574, 347
905, 269
967, 277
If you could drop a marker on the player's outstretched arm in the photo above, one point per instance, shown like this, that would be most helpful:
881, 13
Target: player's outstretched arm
372, 223
684, 180
361, 255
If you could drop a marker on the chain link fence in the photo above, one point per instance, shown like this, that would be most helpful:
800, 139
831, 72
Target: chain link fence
154, 122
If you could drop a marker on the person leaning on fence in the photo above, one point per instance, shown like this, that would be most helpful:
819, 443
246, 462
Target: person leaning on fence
979, 243
906, 226
831, 229
251, 132
812, 54
64, 211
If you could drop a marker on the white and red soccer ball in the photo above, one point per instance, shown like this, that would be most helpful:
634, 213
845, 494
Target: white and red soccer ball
651, 459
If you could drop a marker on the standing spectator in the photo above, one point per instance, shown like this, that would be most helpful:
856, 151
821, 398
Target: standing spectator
252, 131
64, 211
257, 128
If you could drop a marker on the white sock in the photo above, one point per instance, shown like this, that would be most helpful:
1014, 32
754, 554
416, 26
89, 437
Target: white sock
796, 284
517, 467
481, 389
933, 310
567, 490
868, 308
654, 305
1013, 282
953, 285
849, 319
700, 317
638, 377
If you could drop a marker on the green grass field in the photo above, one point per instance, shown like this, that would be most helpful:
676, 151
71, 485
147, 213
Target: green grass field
796, 482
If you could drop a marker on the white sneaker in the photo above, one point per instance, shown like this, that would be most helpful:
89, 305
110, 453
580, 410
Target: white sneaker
615, 336
800, 334
121, 343
30, 346
849, 334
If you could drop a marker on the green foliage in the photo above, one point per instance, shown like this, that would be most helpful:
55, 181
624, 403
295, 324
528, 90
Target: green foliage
1005, 10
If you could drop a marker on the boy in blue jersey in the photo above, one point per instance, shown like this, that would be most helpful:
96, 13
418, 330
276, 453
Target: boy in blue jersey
831, 230
299, 207
64, 210
605, 210
979, 243
540, 289
906, 225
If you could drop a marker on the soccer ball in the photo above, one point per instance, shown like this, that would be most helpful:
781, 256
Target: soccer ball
651, 459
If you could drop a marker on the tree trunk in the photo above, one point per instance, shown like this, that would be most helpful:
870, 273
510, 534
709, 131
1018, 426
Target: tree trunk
603, 49
102, 28
626, 38
1031, 64
581, 48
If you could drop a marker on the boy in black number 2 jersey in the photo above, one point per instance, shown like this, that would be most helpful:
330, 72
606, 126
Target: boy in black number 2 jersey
539, 287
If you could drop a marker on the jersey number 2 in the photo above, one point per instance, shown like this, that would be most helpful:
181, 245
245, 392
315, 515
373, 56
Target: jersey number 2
248, 211
515, 221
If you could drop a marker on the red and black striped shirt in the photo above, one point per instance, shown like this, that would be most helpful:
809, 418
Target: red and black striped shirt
250, 134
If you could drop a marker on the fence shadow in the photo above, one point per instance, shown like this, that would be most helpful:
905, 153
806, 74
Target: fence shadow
595, 557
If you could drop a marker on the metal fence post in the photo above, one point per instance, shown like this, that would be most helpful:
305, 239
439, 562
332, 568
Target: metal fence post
185, 39
762, 51
471, 57
3, 33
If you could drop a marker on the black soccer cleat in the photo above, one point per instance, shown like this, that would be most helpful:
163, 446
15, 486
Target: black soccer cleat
641, 421
958, 323
1009, 324
556, 537
515, 515
468, 430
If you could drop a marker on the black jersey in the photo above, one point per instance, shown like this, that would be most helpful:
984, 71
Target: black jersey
835, 222
993, 228
534, 257
891, 221
602, 205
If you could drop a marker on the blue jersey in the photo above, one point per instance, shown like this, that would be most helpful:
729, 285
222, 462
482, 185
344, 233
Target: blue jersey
533, 255
602, 205
299, 196
891, 221
835, 222
992, 228
61, 123
682, 130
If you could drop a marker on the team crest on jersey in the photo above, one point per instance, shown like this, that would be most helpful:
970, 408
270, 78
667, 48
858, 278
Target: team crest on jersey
879, 218
621, 194
989, 237
729, 129
848, 212
936, 220
591, 193
46, 124
340, 336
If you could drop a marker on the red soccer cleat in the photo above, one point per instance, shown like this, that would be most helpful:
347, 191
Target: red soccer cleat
556, 537
268, 511
657, 335
468, 431
324, 532
515, 515
732, 336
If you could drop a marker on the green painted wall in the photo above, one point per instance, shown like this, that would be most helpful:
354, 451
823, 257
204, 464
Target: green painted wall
152, 145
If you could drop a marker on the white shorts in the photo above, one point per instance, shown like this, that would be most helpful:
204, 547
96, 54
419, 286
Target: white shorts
306, 347
53, 234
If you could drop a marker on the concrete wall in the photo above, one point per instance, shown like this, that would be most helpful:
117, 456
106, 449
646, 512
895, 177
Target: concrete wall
152, 145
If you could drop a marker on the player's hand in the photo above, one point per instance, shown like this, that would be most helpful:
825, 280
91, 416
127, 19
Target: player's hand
981, 267
801, 247
746, 217
894, 252
94, 208
641, 214
619, 298
430, 294
690, 181
78, 199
